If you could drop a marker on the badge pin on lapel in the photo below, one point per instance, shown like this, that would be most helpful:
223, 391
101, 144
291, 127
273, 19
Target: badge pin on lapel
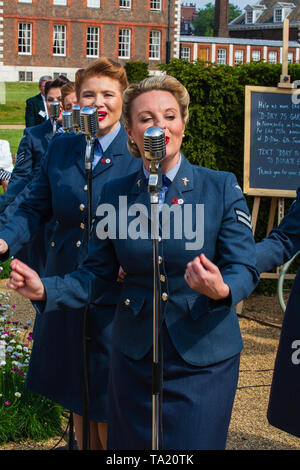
185, 181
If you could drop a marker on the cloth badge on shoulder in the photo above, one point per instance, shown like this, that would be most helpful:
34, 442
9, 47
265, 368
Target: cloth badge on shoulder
243, 218
20, 158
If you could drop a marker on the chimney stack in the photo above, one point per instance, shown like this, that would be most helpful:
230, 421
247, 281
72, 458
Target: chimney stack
221, 19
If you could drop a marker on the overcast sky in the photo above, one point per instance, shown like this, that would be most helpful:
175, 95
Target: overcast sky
240, 3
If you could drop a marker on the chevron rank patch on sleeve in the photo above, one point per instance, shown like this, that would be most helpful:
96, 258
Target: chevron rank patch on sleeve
243, 218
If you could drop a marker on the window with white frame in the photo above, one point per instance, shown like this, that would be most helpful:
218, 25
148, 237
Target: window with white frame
93, 3
60, 2
249, 16
25, 38
290, 57
154, 44
278, 15
25, 1
59, 39
124, 43
92, 41
221, 56
25, 76
155, 5
238, 56
185, 53
255, 55
272, 56
125, 4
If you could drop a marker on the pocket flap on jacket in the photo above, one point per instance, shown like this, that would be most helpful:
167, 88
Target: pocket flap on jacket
131, 299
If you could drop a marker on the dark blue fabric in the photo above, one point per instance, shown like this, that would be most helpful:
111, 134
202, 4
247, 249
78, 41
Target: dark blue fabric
284, 404
59, 194
196, 402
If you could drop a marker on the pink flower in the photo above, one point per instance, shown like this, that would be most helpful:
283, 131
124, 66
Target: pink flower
7, 403
13, 306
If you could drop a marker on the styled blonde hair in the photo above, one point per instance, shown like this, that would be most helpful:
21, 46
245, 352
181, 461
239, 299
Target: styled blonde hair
159, 82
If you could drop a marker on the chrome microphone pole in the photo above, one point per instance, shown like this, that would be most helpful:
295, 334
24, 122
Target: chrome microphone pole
89, 127
154, 147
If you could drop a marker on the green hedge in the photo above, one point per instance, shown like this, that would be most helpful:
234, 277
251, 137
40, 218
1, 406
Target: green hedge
214, 136
136, 71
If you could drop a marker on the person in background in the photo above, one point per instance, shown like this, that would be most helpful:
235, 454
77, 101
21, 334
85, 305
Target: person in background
199, 284
60, 195
68, 96
281, 245
32, 148
6, 163
36, 110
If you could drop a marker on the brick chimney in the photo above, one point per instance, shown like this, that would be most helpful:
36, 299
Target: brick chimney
221, 19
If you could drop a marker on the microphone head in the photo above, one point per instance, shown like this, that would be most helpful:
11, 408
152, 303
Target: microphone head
67, 120
54, 110
76, 116
154, 144
89, 121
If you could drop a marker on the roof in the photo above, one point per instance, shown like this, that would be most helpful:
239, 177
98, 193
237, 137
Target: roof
237, 41
267, 15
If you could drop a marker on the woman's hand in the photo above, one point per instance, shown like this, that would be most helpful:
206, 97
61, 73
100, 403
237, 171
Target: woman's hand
26, 281
205, 277
3, 246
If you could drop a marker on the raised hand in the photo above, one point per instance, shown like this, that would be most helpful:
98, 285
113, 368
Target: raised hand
205, 277
3, 246
26, 281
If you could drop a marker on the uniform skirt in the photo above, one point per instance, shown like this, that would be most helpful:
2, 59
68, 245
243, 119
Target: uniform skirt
196, 401
56, 363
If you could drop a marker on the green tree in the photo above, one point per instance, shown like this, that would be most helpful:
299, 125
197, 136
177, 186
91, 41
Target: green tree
204, 23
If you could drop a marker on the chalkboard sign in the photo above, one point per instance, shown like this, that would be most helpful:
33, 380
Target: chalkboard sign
272, 142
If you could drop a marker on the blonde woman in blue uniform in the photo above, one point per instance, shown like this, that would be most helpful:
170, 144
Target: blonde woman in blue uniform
200, 283
60, 194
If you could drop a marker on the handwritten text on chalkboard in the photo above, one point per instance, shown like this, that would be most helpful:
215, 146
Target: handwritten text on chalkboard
274, 141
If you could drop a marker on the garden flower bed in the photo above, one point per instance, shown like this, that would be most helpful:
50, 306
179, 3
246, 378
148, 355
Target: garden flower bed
23, 414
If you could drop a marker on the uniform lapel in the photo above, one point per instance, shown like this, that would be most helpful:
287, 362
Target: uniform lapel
180, 191
116, 149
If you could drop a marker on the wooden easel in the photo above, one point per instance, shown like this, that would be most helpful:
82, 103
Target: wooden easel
276, 202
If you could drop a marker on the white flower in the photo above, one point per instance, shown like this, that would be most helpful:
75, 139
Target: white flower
18, 394
2, 363
19, 347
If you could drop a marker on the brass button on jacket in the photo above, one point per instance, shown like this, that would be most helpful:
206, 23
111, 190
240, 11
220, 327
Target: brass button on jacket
82, 207
164, 296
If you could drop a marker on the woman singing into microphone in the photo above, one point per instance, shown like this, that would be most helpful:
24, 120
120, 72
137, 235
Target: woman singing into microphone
60, 194
201, 279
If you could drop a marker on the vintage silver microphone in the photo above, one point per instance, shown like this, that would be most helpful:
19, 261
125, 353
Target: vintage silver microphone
89, 127
154, 152
54, 113
76, 118
67, 121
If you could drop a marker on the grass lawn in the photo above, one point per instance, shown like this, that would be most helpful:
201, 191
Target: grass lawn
13, 136
16, 93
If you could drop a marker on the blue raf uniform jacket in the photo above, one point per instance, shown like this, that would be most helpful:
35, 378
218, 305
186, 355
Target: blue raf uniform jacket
32, 148
283, 243
59, 194
203, 331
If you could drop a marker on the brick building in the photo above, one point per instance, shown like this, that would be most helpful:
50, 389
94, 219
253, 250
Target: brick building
188, 15
60, 36
264, 20
233, 51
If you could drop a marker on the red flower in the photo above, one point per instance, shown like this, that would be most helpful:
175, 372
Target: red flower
103, 160
175, 200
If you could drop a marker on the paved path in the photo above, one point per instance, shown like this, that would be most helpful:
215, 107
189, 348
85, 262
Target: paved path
12, 126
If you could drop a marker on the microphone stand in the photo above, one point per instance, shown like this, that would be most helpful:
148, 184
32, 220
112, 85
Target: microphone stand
89, 152
154, 187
